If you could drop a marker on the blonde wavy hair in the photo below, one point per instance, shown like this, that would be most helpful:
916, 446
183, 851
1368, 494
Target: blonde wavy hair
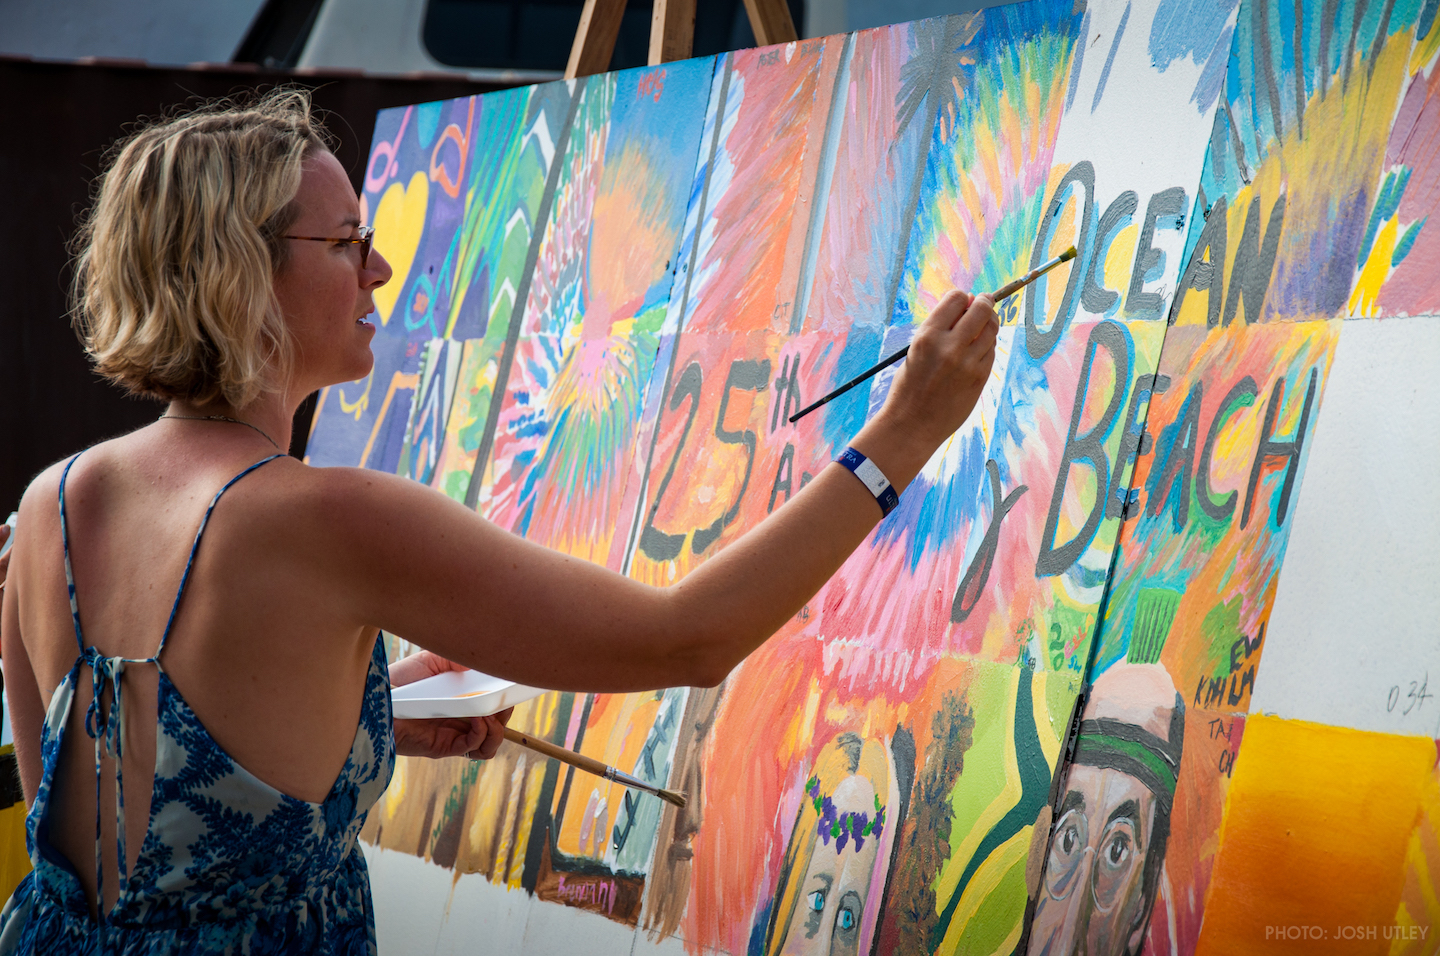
173, 294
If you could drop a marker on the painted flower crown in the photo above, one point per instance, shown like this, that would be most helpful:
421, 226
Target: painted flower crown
845, 826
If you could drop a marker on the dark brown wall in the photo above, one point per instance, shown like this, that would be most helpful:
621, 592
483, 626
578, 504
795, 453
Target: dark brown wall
56, 120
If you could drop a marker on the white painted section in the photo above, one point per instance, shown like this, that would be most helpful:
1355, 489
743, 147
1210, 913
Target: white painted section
1133, 93
479, 917
556, 928
159, 31
410, 897
670, 946
421, 908
1357, 607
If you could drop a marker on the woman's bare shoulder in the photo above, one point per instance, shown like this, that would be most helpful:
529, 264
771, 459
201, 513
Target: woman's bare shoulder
344, 494
103, 461
334, 506
44, 486
39, 505
37, 529
363, 538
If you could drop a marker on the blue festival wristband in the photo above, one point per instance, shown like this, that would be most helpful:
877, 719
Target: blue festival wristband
872, 478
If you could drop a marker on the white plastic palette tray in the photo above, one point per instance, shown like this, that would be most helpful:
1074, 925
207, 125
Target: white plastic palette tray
458, 694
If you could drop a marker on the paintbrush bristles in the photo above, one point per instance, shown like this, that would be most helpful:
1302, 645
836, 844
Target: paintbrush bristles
1010, 288
591, 765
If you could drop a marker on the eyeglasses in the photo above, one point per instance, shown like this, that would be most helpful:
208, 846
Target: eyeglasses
1114, 859
366, 240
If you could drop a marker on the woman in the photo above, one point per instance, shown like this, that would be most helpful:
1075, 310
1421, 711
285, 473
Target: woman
225, 269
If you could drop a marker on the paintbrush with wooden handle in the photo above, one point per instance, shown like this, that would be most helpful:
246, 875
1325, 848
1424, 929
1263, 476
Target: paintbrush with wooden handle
1008, 289
591, 765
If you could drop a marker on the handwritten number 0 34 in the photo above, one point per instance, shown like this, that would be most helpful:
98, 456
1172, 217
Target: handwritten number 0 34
1416, 697
748, 375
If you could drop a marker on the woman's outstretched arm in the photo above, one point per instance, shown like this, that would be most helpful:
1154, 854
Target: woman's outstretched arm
456, 584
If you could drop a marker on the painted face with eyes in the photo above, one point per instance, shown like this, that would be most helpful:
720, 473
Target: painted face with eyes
1092, 900
832, 897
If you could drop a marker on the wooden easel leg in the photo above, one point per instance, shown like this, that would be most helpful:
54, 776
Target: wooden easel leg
596, 36
770, 19
672, 31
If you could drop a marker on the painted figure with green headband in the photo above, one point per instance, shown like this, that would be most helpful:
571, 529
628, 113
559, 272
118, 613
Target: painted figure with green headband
1108, 846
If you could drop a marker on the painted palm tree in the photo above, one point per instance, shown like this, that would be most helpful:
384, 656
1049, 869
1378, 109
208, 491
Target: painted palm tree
932, 84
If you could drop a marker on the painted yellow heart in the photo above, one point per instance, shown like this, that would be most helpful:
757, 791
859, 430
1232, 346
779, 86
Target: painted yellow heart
399, 222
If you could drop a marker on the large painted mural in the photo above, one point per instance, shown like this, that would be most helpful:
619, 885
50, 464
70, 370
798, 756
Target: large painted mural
1033, 712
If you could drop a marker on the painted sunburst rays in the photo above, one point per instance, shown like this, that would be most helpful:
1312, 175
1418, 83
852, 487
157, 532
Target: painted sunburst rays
987, 172
606, 354
985, 185
943, 497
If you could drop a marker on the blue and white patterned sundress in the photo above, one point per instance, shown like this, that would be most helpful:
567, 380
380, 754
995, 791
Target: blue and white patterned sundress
229, 864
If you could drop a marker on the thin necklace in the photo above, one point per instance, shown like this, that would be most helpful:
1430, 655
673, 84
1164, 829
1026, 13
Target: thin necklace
219, 418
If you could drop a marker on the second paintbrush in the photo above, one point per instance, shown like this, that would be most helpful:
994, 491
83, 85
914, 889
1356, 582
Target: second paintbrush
591, 765
1010, 288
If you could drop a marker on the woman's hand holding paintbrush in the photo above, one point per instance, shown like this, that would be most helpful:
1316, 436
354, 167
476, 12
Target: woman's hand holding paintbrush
949, 363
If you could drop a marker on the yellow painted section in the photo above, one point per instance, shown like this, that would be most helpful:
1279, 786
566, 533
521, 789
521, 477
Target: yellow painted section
1000, 864
615, 735
1346, 130
1006, 797
1119, 259
1314, 836
1045, 722
14, 861
1425, 52
399, 222
1375, 271
1418, 916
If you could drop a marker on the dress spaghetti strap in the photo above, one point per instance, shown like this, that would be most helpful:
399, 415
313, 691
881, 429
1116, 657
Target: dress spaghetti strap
229, 863
107, 729
194, 548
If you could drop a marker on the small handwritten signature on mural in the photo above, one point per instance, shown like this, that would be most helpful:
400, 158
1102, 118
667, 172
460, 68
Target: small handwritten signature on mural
1408, 700
599, 893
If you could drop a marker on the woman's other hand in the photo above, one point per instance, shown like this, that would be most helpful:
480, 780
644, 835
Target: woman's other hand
476, 737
